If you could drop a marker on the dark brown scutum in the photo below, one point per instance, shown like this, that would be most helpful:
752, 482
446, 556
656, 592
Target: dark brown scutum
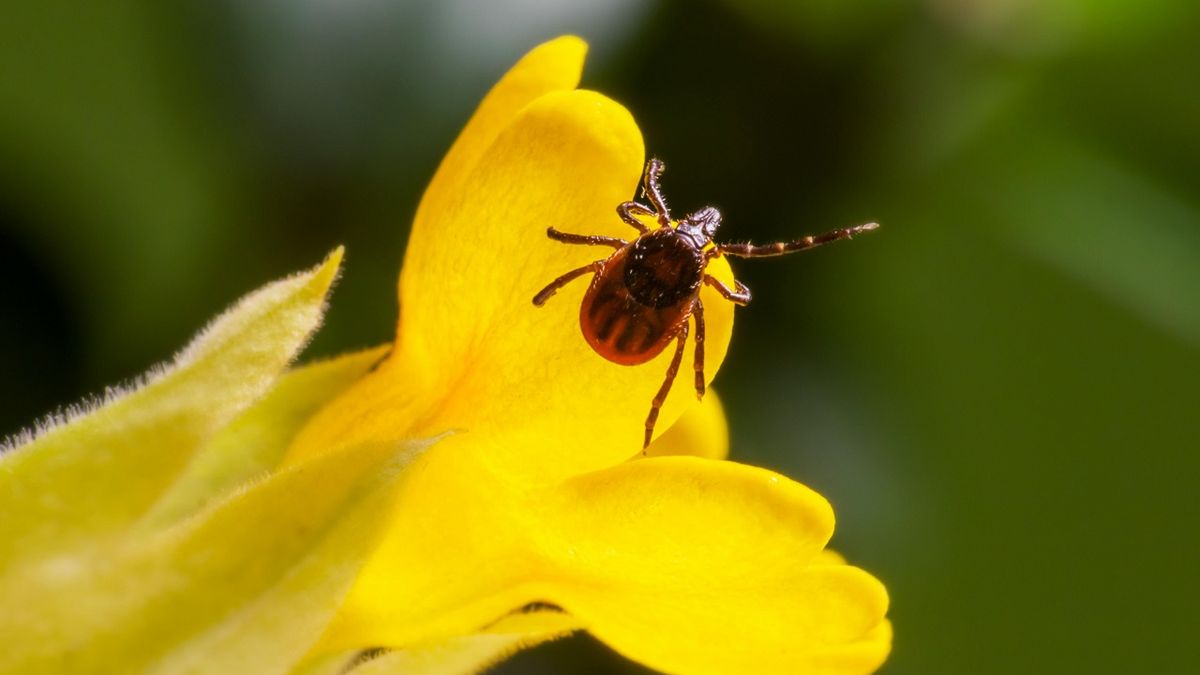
663, 269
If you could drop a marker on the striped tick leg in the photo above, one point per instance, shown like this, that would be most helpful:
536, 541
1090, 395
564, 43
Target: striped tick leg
672, 371
630, 210
584, 239
740, 297
784, 247
544, 294
654, 169
627, 211
698, 357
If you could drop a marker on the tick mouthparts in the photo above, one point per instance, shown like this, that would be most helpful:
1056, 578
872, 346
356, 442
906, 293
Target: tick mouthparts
867, 227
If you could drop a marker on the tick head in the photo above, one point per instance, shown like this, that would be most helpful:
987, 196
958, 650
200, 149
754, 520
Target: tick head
701, 224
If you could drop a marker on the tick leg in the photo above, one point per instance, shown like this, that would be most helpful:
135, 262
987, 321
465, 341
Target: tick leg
672, 371
741, 296
802, 244
627, 210
544, 294
585, 239
654, 169
698, 357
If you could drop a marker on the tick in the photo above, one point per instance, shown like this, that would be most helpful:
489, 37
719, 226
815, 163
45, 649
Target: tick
642, 295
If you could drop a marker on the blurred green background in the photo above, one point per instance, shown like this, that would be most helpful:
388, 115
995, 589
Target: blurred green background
997, 391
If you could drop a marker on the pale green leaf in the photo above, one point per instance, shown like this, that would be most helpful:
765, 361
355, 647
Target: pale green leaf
245, 586
95, 472
254, 443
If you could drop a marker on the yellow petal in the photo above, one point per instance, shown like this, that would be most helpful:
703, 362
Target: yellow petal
553, 66
696, 566
830, 557
685, 564
58, 489
252, 445
453, 562
474, 354
861, 656
701, 432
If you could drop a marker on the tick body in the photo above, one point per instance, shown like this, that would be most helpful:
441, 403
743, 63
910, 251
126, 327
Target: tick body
640, 297
644, 295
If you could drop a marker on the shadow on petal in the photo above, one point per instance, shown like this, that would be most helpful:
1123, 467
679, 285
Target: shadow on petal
701, 432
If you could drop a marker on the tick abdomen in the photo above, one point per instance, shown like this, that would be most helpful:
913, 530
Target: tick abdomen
631, 328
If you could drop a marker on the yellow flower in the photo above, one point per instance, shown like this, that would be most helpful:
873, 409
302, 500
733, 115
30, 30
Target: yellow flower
185, 524
683, 563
